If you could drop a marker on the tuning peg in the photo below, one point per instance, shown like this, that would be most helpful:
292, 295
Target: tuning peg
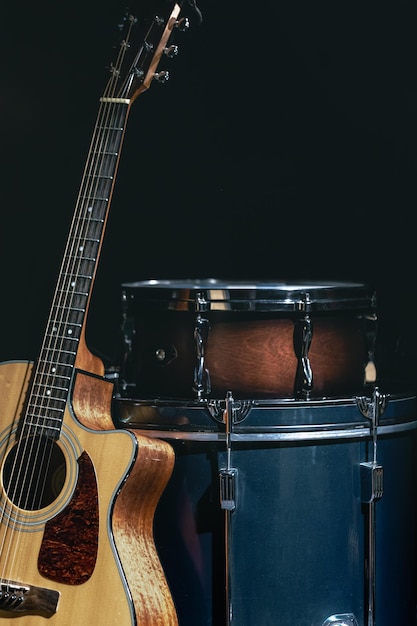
171, 51
183, 24
161, 77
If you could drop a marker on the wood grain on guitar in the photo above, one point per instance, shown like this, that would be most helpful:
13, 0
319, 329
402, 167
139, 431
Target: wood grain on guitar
78, 497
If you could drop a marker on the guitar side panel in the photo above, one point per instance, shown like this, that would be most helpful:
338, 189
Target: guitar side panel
134, 508
133, 517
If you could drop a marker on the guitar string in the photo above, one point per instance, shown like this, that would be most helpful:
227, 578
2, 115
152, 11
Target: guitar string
97, 142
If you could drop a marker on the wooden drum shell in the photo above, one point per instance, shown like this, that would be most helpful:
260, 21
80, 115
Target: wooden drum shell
253, 354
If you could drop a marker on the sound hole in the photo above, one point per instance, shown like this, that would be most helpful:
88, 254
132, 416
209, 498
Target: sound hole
34, 473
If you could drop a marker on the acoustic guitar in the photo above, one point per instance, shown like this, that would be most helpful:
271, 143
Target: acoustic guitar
78, 496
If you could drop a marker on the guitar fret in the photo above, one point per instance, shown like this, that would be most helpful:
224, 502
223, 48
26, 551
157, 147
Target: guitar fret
44, 391
87, 239
41, 426
114, 128
55, 373
72, 279
37, 418
68, 325
56, 377
97, 220
54, 386
75, 257
106, 153
81, 258
71, 275
63, 337
100, 176
100, 199
48, 398
90, 218
64, 352
82, 241
73, 292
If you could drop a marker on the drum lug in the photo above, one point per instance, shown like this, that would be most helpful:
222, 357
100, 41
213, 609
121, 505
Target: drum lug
303, 334
342, 619
201, 383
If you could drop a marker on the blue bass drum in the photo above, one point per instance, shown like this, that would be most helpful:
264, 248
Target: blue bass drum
287, 511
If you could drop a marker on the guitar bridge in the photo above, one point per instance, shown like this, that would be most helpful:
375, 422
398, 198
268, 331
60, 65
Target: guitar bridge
27, 599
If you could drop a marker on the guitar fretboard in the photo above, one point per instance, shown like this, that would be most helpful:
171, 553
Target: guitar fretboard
54, 370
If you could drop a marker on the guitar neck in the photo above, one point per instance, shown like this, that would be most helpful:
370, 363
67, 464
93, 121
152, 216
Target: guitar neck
64, 330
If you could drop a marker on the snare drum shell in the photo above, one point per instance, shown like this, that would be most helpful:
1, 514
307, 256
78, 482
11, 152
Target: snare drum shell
250, 345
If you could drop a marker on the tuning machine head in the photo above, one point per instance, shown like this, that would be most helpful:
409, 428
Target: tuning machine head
171, 51
161, 77
182, 24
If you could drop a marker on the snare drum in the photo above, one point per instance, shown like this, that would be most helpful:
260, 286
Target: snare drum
289, 541
200, 339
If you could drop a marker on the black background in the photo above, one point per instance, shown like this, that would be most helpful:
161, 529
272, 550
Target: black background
283, 147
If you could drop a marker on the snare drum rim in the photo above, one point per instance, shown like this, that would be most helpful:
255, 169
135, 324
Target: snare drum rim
219, 295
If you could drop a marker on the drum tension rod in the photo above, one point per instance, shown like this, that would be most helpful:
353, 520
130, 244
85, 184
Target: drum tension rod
371, 491
228, 474
228, 501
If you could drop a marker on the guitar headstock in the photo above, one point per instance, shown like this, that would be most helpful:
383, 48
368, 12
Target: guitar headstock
144, 41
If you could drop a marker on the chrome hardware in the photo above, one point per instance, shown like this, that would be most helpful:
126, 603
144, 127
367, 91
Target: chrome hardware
372, 476
164, 355
303, 334
200, 302
228, 489
304, 304
342, 619
201, 383
372, 491
240, 410
171, 51
161, 77
369, 406
228, 501
182, 24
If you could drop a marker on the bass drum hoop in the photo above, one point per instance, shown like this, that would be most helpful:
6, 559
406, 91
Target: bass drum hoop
167, 419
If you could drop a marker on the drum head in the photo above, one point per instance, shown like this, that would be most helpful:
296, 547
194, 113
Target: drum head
218, 295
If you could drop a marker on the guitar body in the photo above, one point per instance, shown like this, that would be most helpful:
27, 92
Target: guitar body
65, 557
